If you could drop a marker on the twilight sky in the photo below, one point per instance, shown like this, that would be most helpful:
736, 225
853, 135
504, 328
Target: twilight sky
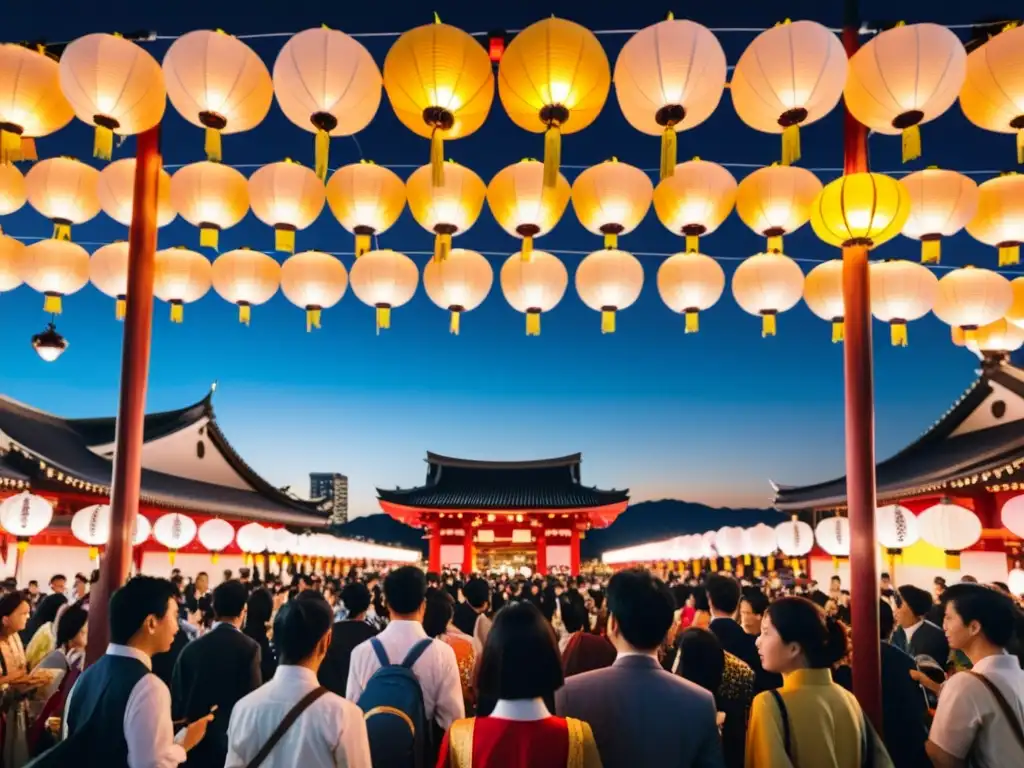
707, 417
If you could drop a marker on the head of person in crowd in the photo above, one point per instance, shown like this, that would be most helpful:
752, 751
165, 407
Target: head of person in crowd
700, 599
574, 616
723, 595
968, 579
14, 613
46, 611
81, 585
478, 594
73, 628
938, 587
202, 583
433, 579
701, 658
886, 584
356, 598
886, 620
302, 632
437, 615
258, 610
144, 615
303, 582
229, 599
405, 590
641, 610
58, 583
752, 608
912, 605
33, 588
980, 621
796, 634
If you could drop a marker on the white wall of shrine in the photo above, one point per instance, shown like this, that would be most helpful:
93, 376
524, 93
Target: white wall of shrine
986, 567
558, 555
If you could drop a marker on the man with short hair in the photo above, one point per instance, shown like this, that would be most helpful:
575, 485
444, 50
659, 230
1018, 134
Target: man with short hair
916, 634
58, 583
724, 598
470, 617
345, 636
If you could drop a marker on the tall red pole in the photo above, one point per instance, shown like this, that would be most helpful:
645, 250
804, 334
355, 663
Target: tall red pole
131, 407
434, 561
542, 551
574, 551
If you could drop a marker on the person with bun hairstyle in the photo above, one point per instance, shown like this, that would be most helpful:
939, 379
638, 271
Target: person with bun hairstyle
811, 721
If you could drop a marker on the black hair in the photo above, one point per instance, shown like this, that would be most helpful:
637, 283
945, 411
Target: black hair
137, 600
757, 601
57, 576
798, 620
642, 606
836, 577
574, 615
919, 601
82, 578
1002, 585
994, 611
700, 599
299, 626
477, 592
10, 602
202, 573
885, 575
701, 658
45, 611
259, 609
439, 612
229, 599
356, 598
886, 620
33, 583
405, 589
723, 592
71, 622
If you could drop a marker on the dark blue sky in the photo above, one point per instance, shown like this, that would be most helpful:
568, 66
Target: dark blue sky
709, 417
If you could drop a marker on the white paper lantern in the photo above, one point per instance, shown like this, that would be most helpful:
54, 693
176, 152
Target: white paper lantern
216, 535
1015, 581
708, 546
252, 540
1013, 515
833, 535
91, 526
760, 541
24, 515
795, 538
142, 530
174, 530
896, 527
950, 527
729, 543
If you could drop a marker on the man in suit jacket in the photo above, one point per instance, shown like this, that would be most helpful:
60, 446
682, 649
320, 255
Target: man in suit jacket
216, 670
916, 635
345, 636
641, 714
724, 596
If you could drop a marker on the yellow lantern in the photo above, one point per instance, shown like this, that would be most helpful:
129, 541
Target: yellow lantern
611, 199
904, 77
522, 205
180, 277
12, 255
767, 284
210, 196
1016, 312
669, 77
941, 204
31, 102
386, 279
55, 268
446, 209
287, 196
328, 83
607, 281
695, 200
969, 298
533, 286
690, 283
823, 294
13, 192
1000, 336
440, 84
992, 96
862, 209
113, 85
901, 291
776, 201
116, 191
553, 79
459, 284
247, 278
64, 190
313, 281
367, 199
790, 75
999, 221
108, 271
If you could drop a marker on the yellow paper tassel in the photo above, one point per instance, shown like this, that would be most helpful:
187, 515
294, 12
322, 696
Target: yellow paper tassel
552, 155
442, 246
1009, 255
527, 251
61, 230
52, 303
170, 556
212, 145
214, 557
767, 325
103, 143
94, 553
607, 321
177, 312
953, 561
794, 563
835, 563
611, 240
668, 152
321, 153
244, 314
120, 308
692, 243
363, 244
453, 324
533, 323
28, 149
209, 237
790, 144
771, 562
775, 244
692, 321
746, 559
436, 158
911, 143
285, 562
838, 330
10, 147
696, 568
383, 318
714, 564
22, 545
727, 564
898, 333
284, 239
312, 318
1020, 146
758, 567
931, 251
970, 334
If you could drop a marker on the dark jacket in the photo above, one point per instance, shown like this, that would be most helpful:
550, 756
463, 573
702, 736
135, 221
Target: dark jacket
743, 646
465, 618
333, 674
927, 640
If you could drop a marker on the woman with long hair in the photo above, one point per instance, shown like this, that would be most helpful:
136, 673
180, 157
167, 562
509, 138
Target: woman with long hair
67, 659
39, 633
15, 682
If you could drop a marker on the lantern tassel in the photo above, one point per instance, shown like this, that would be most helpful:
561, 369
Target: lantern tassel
533, 323
552, 155
527, 251
794, 563
212, 145
692, 243
931, 251
771, 562
177, 312
768, 326
970, 334
61, 230
312, 318
775, 244
790, 144
911, 143
835, 563
953, 561
244, 314
94, 552
103, 143
214, 557
442, 246
1009, 255
692, 321
10, 147
363, 245
611, 240
838, 330
436, 158
52, 303
607, 321
120, 308
28, 149
668, 152
284, 239
453, 324
209, 237
383, 318
898, 333
321, 153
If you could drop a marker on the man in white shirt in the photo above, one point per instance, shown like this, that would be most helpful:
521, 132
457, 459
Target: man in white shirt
330, 732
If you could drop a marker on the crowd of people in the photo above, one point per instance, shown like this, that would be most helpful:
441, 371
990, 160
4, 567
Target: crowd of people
406, 668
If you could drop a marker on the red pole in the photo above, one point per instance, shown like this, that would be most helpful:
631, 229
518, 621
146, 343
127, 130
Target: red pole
574, 551
467, 551
131, 408
542, 552
434, 562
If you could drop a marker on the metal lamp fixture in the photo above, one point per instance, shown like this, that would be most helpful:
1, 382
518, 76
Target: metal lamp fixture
49, 344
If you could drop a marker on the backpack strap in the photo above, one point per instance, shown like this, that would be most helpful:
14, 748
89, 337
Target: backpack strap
382, 655
289, 720
415, 652
785, 721
460, 744
1004, 706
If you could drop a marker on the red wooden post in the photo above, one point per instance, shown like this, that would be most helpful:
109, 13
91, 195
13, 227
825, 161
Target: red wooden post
574, 551
434, 562
467, 550
542, 551
131, 408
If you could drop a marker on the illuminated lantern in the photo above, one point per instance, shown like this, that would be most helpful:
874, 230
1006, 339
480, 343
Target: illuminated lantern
969, 298
281, 542
31, 104
729, 543
554, 78
314, 281
64, 190
999, 221
669, 77
690, 283
142, 530
522, 205
210, 196
695, 200
941, 204
174, 530
13, 192
116, 191
247, 278
790, 75
533, 287
25, 515
55, 268
91, 526
108, 271
951, 528
446, 209
252, 540
287, 196
367, 199
328, 83
833, 536
385, 279
1012, 515
217, 82
1016, 312
1015, 582
904, 77
440, 83
1000, 336
180, 277
776, 201
860, 209
760, 541
901, 291
823, 294
12, 255
216, 535
766, 284
992, 96
896, 528
113, 85
607, 281
611, 199
795, 539
459, 284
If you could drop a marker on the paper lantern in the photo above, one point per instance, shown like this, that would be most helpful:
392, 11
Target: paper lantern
611, 199
174, 531
729, 543
790, 75
327, 83
690, 283
210, 196
280, 541
999, 220
446, 209
386, 279
795, 539
314, 281
367, 199
941, 204
766, 284
180, 277
252, 538
901, 291
113, 85
25, 515
992, 96
951, 528
459, 284
522, 205
116, 191
216, 535
142, 530
776, 201
969, 298
247, 278
55, 268
91, 526
1015, 314
896, 528
607, 281
1000, 337
31, 104
833, 536
13, 192
554, 78
669, 77
533, 287
12, 256
695, 200
1015, 582
904, 77
1012, 515
707, 547
64, 190
860, 209
823, 294
760, 541
108, 271
217, 82
287, 196
440, 83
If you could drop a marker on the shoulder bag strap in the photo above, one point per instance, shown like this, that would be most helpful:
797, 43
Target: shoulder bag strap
382, 655
785, 721
415, 652
1004, 705
460, 744
289, 720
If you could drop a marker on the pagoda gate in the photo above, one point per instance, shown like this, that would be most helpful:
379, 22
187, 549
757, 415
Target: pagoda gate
483, 513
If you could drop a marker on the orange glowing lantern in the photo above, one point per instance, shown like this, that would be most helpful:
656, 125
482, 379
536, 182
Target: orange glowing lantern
941, 204
523, 206
607, 281
116, 191
246, 278
367, 199
690, 283
766, 284
901, 291
288, 197
385, 280
459, 284
180, 277
823, 294
210, 196
446, 209
695, 200
55, 268
776, 201
313, 281
108, 271
999, 220
533, 286
31, 104
64, 190
611, 199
